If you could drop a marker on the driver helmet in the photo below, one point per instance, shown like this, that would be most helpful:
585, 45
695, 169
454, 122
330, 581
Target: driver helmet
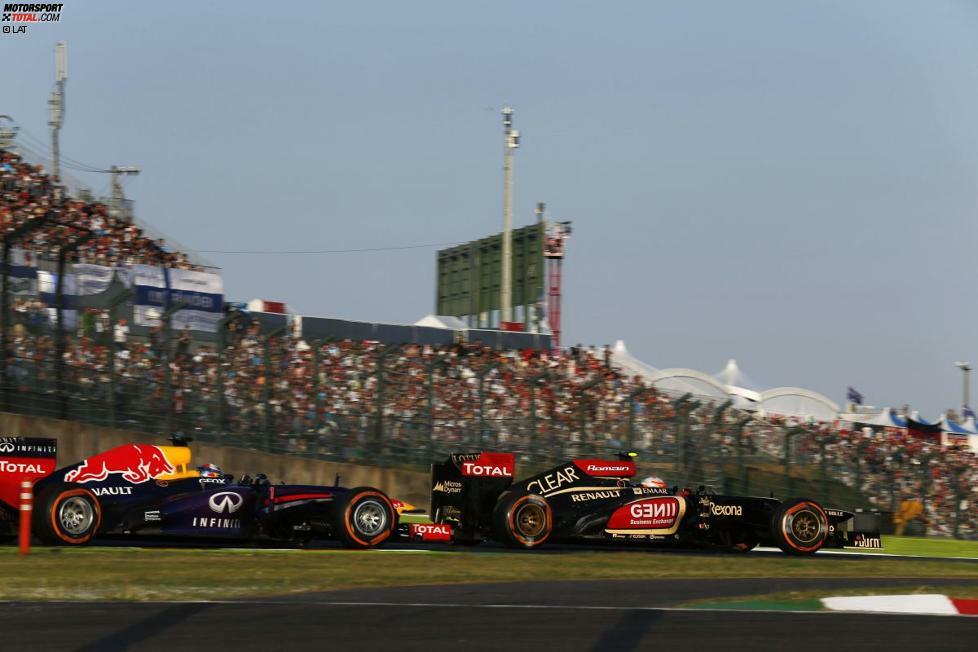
210, 471
653, 481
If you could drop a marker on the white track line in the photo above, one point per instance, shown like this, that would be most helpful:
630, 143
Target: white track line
453, 605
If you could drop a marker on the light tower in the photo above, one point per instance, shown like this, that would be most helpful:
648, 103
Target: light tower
118, 197
56, 105
8, 131
554, 239
965, 368
511, 140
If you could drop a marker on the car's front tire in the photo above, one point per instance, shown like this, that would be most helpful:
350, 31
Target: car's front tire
67, 514
363, 518
800, 527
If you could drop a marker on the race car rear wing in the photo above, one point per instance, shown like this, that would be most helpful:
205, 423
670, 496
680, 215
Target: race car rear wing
24, 458
464, 489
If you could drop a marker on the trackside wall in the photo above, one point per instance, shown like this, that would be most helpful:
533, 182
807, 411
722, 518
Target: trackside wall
78, 440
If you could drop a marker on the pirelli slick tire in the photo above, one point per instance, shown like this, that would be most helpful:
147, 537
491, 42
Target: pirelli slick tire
800, 527
522, 520
66, 515
363, 518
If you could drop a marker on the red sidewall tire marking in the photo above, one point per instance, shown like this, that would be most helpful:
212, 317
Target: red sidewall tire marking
347, 521
512, 521
797, 508
64, 495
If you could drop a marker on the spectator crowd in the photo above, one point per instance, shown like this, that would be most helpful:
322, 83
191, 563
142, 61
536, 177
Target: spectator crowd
362, 401
47, 220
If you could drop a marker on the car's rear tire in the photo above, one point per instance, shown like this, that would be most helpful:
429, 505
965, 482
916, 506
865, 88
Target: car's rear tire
800, 527
66, 514
363, 518
522, 520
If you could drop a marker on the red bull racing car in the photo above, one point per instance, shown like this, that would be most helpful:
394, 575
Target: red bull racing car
475, 497
140, 489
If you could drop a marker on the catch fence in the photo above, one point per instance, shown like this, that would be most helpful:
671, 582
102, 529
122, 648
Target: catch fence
407, 405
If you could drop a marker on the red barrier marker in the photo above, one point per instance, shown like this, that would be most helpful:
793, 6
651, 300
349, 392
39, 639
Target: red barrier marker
26, 506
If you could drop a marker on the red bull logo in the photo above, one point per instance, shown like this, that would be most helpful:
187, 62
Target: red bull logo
136, 463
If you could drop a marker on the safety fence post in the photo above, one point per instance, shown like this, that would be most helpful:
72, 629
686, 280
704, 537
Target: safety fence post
317, 393
167, 319
379, 438
64, 252
430, 369
534, 431
684, 407
633, 398
482, 401
858, 475
219, 405
959, 495
715, 446
823, 466
789, 483
741, 469
269, 383
124, 296
586, 438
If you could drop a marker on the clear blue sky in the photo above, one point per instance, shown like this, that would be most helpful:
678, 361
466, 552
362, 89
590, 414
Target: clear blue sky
794, 184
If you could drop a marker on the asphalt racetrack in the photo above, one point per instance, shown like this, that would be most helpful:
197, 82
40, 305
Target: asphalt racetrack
579, 615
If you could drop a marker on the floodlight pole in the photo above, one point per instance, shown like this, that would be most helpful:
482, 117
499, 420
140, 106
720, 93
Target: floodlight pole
56, 105
965, 368
511, 140
118, 196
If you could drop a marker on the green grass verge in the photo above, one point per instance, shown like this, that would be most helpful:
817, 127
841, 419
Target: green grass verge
168, 574
929, 547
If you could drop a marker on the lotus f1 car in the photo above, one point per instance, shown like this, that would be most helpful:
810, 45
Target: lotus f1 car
595, 500
139, 489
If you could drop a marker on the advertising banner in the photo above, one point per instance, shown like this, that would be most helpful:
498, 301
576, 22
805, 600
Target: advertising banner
203, 292
23, 273
149, 285
92, 279
156, 288
47, 285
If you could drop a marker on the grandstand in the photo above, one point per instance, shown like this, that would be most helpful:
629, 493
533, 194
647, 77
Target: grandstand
93, 350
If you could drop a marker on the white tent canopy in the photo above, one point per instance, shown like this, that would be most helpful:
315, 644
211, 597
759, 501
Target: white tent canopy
629, 364
730, 383
681, 381
733, 376
887, 418
798, 402
442, 321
